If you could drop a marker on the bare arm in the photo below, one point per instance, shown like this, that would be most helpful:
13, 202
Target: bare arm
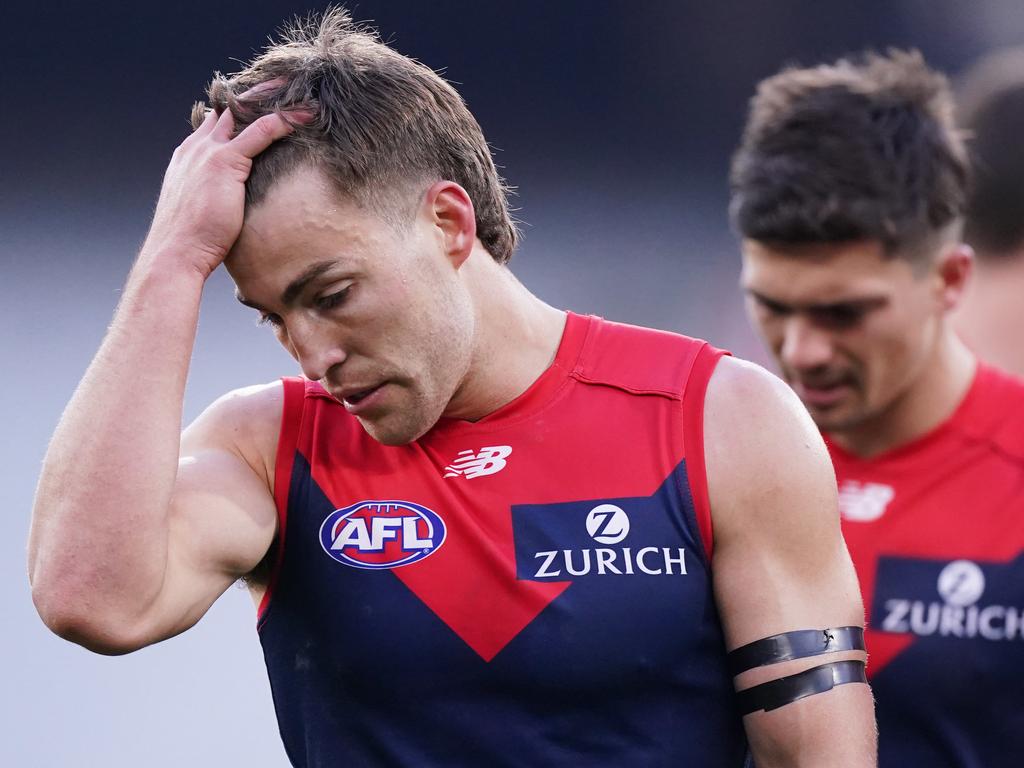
124, 548
780, 563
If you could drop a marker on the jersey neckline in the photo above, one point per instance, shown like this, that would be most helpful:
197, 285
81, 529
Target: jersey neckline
542, 391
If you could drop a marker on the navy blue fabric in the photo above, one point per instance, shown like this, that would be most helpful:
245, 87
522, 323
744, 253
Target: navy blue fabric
962, 643
620, 670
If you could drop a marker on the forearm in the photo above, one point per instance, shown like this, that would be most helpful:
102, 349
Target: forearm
98, 546
835, 729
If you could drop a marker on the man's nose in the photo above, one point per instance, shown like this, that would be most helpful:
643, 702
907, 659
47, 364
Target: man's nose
804, 345
315, 348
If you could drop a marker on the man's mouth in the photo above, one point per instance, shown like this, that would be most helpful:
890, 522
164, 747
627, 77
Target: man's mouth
822, 394
357, 400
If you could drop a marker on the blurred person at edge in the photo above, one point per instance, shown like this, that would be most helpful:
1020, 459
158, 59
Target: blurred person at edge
479, 529
848, 190
990, 107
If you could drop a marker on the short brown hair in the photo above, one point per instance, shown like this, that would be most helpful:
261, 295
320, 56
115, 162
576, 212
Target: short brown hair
991, 101
862, 149
380, 119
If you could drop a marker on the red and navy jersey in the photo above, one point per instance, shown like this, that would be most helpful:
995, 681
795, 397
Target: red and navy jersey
530, 589
936, 532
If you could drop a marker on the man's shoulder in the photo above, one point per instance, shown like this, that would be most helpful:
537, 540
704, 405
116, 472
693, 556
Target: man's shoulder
997, 415
1000, 386
755, 423
744, 393
249, 405
246, 420
641, 359
761, 448
612, 331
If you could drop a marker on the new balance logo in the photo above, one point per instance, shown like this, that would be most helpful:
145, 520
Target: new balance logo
486, 461
864, 502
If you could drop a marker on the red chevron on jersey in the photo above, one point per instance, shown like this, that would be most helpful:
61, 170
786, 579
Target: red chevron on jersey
440, 580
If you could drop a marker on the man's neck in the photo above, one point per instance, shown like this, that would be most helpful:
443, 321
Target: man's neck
932, 398
516, 339
991, 316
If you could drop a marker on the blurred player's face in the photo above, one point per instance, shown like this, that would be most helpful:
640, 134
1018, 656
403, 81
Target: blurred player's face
376, 312
851, 329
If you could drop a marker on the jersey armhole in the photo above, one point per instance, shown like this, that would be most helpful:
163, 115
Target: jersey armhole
287, 444
693, 440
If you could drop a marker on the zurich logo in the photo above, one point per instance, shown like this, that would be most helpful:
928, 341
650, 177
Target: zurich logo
961, 583
382, 534
607, 524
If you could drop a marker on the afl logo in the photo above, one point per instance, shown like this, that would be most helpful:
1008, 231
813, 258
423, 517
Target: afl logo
382, 534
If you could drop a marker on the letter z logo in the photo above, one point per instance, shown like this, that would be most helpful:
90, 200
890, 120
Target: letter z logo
607, 524
487, 461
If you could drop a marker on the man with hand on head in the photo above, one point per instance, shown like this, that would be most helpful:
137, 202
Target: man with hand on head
848, 190
479, 530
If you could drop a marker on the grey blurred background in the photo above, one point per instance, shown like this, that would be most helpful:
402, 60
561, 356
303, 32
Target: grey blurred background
615, 121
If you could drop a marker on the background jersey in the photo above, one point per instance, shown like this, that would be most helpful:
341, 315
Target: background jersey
936, 532
531, 589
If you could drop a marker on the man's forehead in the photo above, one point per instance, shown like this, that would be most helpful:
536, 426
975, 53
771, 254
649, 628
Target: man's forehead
823, 273
301, 202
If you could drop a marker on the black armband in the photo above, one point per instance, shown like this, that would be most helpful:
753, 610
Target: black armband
794, 645
786, 690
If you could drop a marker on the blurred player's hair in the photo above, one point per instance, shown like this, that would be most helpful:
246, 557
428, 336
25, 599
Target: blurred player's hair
865, 148
990, 98
384, 126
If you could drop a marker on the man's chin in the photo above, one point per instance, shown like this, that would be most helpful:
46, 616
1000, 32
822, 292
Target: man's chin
836, 418
392, 431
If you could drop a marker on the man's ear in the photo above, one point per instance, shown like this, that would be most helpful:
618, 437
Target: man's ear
451, 211
952, 272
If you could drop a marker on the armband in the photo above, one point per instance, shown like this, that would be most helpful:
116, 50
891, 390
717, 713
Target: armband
794, 645
786, 690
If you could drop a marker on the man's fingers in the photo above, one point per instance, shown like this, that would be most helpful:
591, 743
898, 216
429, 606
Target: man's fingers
224, 127
209, 120
261, 134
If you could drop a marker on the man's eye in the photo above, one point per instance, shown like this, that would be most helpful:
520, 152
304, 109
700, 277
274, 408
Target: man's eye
839, 316
772, 308
332, 300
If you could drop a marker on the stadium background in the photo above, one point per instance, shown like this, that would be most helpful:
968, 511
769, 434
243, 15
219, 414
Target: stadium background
614, 120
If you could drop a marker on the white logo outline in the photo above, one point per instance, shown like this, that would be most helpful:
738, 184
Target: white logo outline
864, 502
334, 542
469, 464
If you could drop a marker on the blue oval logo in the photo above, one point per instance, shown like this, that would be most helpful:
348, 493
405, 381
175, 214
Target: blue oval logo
382, 534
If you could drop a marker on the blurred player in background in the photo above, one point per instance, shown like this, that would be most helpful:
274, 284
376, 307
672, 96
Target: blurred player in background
480, 529
990, 103
848, 190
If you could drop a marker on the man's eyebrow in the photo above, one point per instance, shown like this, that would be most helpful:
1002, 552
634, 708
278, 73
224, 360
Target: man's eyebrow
867, 303
768, 301
294, 287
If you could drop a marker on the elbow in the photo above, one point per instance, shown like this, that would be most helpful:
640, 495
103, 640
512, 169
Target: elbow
73, 619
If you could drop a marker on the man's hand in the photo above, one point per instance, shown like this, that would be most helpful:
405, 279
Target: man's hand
202, 201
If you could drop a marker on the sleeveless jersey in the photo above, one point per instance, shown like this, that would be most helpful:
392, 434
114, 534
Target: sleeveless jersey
936, 532
530, 589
